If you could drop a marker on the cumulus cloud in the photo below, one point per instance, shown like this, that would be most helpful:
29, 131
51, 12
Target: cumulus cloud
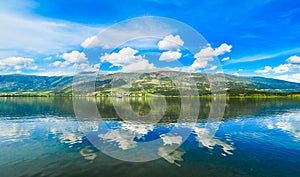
59, 64
128, 59
138, 66
91, 42
202, 58
207, 54
291, 77
199, 64
124, 57
70, 58
289, 71
17, 63
170, 42
290, 67
236, 74
283, 68
125, 31
73, 61
170, 55
74, 57
293, 59
222, 49
266, 70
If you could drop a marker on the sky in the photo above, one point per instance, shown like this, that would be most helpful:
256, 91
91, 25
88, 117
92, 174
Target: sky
245, 38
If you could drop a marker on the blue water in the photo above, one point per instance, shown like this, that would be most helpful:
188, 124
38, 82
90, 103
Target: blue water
43, 137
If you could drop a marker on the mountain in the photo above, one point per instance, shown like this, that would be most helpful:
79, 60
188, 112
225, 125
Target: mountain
156, 82
32, 83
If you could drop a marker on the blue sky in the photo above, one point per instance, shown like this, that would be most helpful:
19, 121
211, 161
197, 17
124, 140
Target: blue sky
42, 37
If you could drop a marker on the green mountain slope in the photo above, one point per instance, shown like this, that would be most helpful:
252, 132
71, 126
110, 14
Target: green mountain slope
31, 83
149, 82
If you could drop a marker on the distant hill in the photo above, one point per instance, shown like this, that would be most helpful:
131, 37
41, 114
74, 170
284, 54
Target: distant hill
32, 83
148, 82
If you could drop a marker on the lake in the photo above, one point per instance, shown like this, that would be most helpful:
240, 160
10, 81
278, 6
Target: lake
253, 137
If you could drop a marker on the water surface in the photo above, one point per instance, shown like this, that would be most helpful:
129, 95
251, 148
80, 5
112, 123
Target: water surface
255, 137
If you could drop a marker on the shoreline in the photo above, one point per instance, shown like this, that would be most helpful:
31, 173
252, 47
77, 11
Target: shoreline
268, 95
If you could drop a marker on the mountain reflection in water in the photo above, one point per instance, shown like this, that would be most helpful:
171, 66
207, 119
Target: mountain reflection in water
255, 137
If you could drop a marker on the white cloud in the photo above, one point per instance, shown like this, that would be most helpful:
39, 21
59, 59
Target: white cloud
17, 63
142, 44
85, 67
291, 66
283, 68
287, 68
291, 77
64, 72
263, 56
282, 77
70, 58
12, 61
236, 74
199, 64
125, 31
202, 58
240, 70
73, 61
294, 78
59, 64
17, 5
170, 55
207, 54
265, 71
138, 66
170, 42
66, 69
23, 34
90, 42
226, 59
74, 57
222, 49
180, 69
213, 68
124, 57
293, 59
48, 58
128, 59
